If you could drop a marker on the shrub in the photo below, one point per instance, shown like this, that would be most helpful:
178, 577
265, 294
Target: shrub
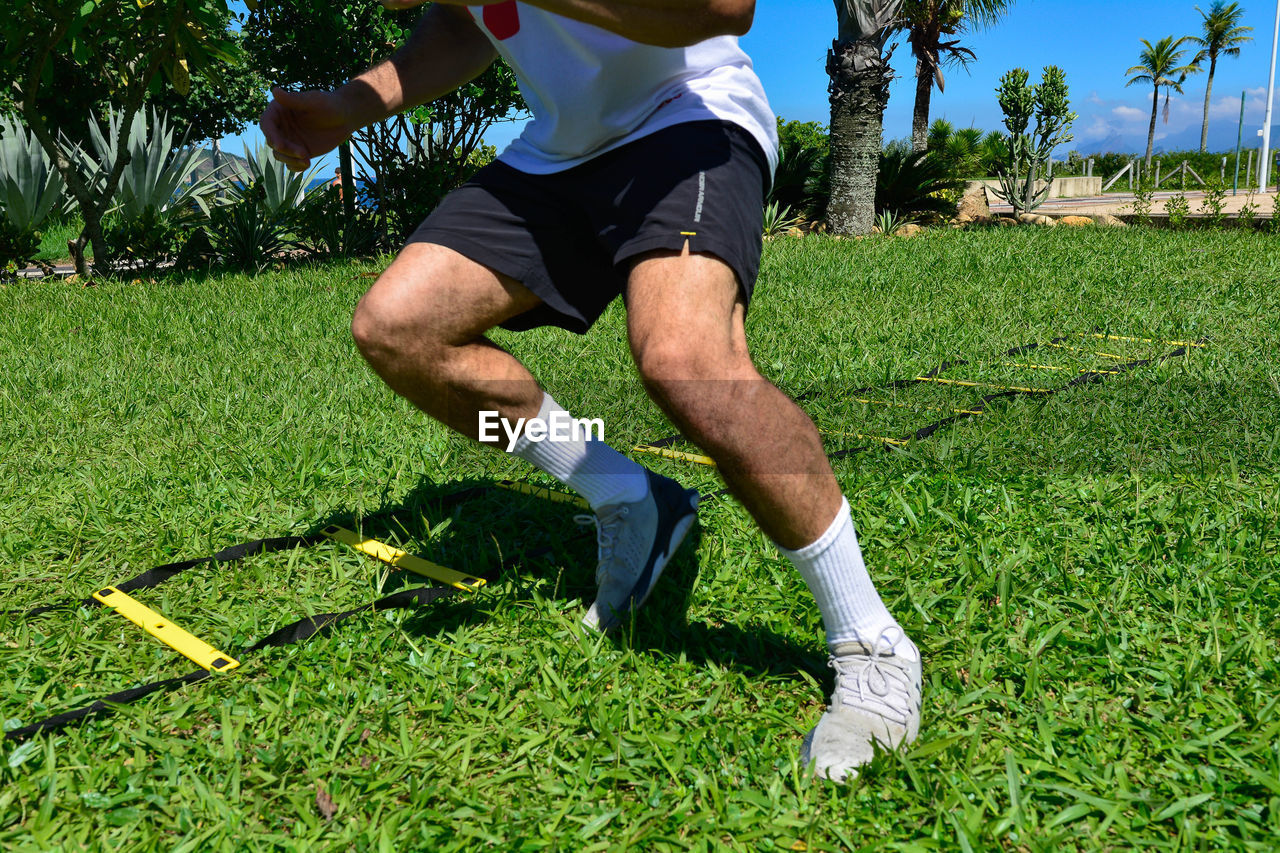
778, 218
407, 189
146, 242
323, 227
797, 183
17, 247
915, 185
157, 204
1214, 203
959, 150
802, 180
246, 233
1143, 195
278, 191
1106, 165
30, 189
889, 222
1179, 210
1029, 148
1248, 212
252, 228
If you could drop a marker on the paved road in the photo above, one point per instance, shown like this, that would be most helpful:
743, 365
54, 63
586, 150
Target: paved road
34, 272
1118, 204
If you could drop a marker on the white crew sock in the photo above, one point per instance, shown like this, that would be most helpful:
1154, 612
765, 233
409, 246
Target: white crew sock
589, 466
847, 599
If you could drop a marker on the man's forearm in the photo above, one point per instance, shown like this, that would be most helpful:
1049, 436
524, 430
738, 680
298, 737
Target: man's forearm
665, 23
445, 50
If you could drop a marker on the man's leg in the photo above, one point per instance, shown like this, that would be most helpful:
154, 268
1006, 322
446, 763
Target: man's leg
685, 323
421, 327
686, 326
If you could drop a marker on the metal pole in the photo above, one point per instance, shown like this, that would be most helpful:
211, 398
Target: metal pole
1264, 165
1235, 186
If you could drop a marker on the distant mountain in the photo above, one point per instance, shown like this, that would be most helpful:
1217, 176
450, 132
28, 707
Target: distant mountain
1222, 140
228, 164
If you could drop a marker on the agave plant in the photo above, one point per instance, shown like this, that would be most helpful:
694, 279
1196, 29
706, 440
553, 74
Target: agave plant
158, 198
890, 222
778, 218
245, 234
30, 187
279, 192
158, 175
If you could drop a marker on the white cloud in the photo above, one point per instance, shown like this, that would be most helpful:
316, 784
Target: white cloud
1126, 113
1225, 108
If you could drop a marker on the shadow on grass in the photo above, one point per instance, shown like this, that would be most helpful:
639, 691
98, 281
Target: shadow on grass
504, 536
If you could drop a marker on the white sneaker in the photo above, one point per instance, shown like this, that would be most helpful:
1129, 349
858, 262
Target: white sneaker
635, 542
876, 702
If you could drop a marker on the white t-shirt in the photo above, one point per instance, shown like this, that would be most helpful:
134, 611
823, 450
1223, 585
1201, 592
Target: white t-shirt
591, 90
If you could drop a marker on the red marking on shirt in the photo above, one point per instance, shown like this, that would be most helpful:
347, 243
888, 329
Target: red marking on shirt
502, 19
669, 100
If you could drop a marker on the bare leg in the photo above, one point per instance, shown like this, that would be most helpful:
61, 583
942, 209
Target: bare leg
685, 322
421, 327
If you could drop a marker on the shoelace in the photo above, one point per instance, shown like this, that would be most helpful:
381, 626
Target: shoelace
606, 526
870, 681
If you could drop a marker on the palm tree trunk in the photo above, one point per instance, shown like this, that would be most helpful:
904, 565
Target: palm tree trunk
1151, 134
859, 91
924, 97
348, 181
1208, 97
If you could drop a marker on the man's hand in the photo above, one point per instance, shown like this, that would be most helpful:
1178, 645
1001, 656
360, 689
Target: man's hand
301, 125
445, 50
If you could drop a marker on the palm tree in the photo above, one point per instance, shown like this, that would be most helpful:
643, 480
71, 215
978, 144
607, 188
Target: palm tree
1159, 66
1223, 36
931, 26
859, 90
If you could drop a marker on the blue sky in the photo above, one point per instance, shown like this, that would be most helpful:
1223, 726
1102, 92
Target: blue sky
1092, 40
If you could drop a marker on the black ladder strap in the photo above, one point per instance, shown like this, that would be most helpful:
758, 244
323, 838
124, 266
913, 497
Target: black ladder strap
295, 632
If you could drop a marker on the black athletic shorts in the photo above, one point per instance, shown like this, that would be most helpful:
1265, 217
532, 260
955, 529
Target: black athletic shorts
569, 236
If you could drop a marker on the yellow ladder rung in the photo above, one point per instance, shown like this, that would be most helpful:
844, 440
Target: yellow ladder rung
896, 442
917, 408
403, 559
1052, 367
165, 631
968, 384
677, 455
1109, 355
1144, 340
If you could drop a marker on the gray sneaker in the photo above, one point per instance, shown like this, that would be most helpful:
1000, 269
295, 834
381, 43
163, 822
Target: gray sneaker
876, 702
635, 542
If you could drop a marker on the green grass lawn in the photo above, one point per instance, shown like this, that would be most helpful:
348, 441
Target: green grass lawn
54, 237
1093, 577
